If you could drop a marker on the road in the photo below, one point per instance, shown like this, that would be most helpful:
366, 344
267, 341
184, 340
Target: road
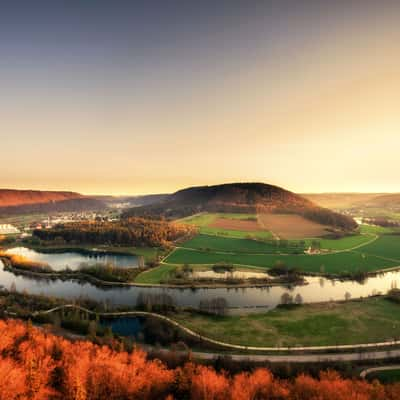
359, 351
302, 358
377, 369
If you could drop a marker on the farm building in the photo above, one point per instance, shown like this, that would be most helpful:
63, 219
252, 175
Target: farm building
8, 229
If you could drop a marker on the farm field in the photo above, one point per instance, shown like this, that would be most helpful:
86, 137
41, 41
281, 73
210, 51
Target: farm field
336, 263
219, 243
228, 224
373, 249
291, 226
237, 245
367, 321
250, 225
387, 246
345, 243
155, 275
377, 230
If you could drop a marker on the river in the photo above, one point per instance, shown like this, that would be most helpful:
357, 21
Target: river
316, 290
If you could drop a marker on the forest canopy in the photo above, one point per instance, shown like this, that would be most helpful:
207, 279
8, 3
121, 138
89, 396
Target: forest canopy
38, 365
137, 232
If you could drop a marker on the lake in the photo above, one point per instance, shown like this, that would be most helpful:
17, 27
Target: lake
73, 259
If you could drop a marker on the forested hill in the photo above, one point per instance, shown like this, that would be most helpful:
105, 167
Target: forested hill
241, 198
24, 201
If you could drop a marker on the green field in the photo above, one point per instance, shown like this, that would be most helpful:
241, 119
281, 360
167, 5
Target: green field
376, 230
219, 243
387, 246
336, 263
370, 320
389, 376
155, 275
205, 219
372, 249
345, 243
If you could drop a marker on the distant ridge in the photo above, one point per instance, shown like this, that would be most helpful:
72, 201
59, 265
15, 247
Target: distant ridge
13, 201
355, 200
241, 198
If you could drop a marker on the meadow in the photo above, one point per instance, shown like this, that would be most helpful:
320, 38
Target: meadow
155, 275
237, 245
352, 322
335, 263
371, 249
210, 224
387, 246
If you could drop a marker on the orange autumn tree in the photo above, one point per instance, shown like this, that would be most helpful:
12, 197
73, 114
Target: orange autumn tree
36, 365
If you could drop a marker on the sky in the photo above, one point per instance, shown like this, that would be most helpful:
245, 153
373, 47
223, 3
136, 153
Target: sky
134, 97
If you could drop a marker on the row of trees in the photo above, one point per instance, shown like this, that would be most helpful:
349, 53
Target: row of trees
37, 365
325, 216
127, 232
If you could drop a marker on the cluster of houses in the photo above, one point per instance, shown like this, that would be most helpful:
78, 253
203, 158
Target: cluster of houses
8, 229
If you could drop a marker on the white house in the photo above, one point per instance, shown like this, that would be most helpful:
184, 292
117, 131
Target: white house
8, 229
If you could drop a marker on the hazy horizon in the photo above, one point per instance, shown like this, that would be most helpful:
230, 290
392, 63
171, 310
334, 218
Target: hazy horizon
131, 98
170, 192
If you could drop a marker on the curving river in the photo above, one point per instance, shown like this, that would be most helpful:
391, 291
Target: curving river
317, 290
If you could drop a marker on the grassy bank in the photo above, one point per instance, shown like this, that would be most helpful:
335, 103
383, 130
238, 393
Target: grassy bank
155, 275
369, 320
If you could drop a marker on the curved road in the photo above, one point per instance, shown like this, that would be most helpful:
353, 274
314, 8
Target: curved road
377, 369
305, 358
321, 357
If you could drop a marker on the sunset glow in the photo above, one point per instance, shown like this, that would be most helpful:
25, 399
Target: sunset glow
132, 99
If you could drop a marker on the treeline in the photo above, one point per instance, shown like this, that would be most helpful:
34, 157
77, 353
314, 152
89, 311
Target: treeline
327, 217
384, 222
39, 366
163, 211
322, 216
138, 232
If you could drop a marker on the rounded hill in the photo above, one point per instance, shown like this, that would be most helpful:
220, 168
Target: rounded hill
256, 197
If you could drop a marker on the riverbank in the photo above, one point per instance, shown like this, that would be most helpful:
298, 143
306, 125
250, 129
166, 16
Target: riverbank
96, 279
369, 320
150, 254
334, 327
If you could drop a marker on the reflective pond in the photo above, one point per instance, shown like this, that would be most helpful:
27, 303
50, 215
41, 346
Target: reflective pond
73, 259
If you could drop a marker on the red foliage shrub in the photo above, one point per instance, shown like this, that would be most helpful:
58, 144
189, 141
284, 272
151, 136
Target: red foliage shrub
38, 365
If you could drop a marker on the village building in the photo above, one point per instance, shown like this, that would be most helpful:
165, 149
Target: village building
8, 229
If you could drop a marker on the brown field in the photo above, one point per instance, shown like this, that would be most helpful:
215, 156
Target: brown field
236, 224
290, 226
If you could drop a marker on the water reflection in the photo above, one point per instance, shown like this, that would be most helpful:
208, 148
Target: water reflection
267, 297
73, 259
